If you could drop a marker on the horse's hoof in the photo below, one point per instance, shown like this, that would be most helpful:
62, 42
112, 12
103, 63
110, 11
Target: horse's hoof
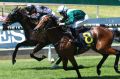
116, 69
98, 72
79, 77
55, 66
44, 56
13, 62
118, 72
31, 55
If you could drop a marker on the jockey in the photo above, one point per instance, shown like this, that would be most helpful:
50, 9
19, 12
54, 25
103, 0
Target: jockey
73, 18
35, 11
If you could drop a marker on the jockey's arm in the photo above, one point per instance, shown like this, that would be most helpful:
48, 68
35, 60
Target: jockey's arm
70, 19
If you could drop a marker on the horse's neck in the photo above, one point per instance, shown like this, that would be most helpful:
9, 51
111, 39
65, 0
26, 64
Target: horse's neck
54, 35
27, 27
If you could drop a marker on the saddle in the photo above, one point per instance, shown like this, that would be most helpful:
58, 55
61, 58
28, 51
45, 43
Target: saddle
82, 37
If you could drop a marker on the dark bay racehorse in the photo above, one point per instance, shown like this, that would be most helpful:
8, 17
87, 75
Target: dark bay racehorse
18, 15
67, 48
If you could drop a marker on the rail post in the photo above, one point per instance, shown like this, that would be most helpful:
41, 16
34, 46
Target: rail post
49, 53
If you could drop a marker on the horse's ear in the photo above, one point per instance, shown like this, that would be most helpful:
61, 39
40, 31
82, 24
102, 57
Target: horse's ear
16, 7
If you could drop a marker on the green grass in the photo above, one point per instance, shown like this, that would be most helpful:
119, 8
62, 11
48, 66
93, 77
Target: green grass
32, 69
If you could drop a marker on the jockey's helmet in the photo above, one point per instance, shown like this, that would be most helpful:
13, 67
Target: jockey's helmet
31, 8
62, 9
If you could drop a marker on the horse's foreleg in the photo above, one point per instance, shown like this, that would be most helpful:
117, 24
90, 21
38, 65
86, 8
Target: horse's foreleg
116, 62
105, 56
65, 62
74, 63
36, 49
15, 52
117, 53
24, 43
57, 62
75, 66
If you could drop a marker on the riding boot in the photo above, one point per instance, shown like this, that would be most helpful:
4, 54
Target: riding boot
79, 42
81, 29
73, 30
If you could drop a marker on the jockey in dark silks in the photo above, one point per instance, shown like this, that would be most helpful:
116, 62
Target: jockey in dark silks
36, 12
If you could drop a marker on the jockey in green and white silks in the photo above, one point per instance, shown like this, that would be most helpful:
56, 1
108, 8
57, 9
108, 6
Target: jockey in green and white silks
72, 17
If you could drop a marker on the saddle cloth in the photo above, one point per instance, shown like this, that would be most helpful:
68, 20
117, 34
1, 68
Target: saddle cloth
84, 40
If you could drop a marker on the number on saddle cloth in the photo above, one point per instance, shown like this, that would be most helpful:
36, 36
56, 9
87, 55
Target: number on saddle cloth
88, 38
85, 40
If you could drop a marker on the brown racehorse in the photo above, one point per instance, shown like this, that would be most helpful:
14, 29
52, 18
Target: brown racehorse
18, 15
67, 48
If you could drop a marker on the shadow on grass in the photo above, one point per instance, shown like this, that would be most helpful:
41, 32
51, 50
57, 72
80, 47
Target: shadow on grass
60, 67
40, 68
96, 77
49, 68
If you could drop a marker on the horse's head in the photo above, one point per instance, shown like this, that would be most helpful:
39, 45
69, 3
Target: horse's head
14, 16
45, 22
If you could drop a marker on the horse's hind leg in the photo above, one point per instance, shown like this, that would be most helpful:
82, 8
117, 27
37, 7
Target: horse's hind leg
57, 62
116, 62
117, 53
105, 56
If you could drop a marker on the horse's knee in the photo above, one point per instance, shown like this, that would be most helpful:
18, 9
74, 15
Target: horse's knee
31, 55
107, 51
112, 51
98, 67
102, 51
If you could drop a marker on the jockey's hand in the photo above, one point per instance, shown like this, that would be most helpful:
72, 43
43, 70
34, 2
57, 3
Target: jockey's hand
60, 19
61, 24
36, 30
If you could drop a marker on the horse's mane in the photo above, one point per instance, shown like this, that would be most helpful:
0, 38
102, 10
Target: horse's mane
22, 11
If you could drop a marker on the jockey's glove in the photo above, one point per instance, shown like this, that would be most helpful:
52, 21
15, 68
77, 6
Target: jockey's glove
35, 29
59, 19
61, 24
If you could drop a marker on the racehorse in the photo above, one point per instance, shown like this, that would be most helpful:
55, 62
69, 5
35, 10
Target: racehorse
19, 15
67, 48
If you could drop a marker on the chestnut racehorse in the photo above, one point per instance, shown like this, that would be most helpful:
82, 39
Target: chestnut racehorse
67, 47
